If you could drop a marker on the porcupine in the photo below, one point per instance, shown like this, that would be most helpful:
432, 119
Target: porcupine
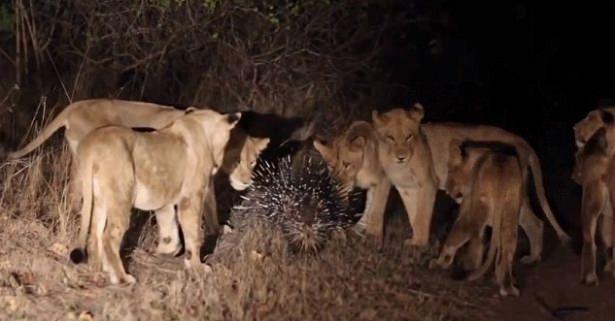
300, 198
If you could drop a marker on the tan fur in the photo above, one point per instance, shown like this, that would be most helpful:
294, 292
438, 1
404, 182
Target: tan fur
493, 196
406, 158
120, 169
440, 135
353, 157
594, 170
82, 117
240, 157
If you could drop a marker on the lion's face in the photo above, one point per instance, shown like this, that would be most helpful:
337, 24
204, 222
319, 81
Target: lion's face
342, 159
461, 163
397, 131
240, 174
218, 126
459, 171
346, 154
586, 127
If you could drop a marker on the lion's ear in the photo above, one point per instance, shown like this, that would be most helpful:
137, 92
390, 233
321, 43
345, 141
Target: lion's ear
606, 117
357, 142
377, 119
261, 143
233, 118
416, 112
190, 110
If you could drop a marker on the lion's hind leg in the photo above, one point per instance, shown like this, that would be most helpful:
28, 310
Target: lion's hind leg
533, 228
474, 253
114, 191
99, 220
189, 215
608, 235
117, 225
508, 246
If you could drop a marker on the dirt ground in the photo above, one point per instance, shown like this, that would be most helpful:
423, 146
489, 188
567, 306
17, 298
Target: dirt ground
552, 287
351, 279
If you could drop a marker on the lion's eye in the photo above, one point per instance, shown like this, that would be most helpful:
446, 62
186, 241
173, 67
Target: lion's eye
252, 163
409, 137
390, 138
346, 164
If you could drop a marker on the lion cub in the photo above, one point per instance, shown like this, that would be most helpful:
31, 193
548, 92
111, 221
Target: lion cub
594, 170
119, 168
490, 179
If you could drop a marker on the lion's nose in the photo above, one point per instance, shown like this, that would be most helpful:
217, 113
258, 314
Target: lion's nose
401, 158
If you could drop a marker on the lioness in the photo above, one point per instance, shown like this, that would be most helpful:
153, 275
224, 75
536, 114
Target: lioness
119, 169
492, 182
82, 117
353, 157
595, 119
406, 158
594, 170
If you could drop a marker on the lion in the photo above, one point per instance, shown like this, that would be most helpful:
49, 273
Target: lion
353, 157
594, 120
594, 170
82, 117
240, 157
119, 168
492, 182
406, 158
438, 137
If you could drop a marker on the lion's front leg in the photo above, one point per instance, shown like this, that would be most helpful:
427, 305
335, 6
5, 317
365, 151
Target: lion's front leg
189, 215
168, 231
212, 222
419, 204
608, 234
591, 206
373, 217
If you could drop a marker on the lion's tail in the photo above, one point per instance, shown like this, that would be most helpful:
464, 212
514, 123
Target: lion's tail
534, 165
56, 123
84, 175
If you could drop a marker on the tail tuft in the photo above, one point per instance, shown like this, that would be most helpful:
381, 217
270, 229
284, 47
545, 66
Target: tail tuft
78, 255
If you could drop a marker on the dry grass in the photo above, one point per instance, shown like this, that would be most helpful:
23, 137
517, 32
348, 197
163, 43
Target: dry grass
349, 280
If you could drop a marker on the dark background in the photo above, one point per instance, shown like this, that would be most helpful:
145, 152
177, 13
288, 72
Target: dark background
531, 67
